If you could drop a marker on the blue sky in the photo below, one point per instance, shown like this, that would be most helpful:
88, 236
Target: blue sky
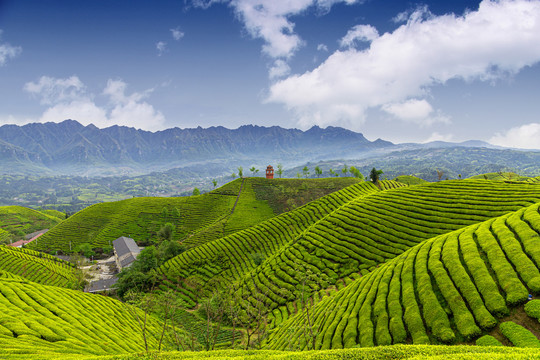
398, 70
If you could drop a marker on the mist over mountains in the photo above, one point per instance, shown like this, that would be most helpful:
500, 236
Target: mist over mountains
71, 148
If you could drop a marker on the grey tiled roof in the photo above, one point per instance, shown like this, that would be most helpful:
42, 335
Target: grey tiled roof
124, 245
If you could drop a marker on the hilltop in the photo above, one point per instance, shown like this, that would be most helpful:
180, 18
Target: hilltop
196, 219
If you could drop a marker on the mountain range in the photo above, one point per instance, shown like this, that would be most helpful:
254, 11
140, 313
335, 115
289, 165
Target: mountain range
71, 148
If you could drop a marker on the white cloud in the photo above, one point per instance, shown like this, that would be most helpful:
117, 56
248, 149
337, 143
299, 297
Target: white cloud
177, 34
439, 137
69, 99
7, 51
161, 47
365, 33
415, 111
53, 90
322, 47
525, 137
279, 69
270, 20
500, 38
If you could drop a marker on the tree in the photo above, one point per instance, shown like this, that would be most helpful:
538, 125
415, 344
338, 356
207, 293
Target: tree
240, 171
233, 175
356, 173
279, 170
305, 171
214, 182
253, 170
85, 250
440, 174
166, 232
318, 171
169, 249
298, 175
374, 175
196, 191
345, 170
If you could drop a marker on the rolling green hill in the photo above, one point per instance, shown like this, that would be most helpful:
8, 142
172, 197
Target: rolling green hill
451, 288
197, 219
37, 319
361, 234
19, 221
38, 267
235, 255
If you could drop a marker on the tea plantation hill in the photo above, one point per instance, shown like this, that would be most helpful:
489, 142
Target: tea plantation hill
338, 238
38, 267
450, 288
18, 221
38, 321
506, 176
197, 219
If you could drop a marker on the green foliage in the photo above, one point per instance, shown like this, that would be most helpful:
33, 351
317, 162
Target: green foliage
139, 218
38, 320
85, 249
166, 232
532, 308
38, 267
196, 192
169, 249
518, 335
487, 340
374, 175
19, 221
443, 282
410, 180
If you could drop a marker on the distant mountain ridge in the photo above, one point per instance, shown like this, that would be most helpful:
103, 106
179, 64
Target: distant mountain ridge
72, 148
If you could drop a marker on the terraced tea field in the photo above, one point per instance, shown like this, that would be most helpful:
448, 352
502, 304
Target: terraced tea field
234, 255
38, 267
450, 288
37, 319
198, 219
17, 221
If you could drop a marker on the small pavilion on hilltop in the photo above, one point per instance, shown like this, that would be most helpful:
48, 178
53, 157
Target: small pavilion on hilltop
269, 172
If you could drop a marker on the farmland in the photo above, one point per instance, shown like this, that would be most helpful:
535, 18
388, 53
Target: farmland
18, 221
313, 268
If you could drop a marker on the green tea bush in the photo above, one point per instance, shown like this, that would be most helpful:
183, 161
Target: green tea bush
518, 335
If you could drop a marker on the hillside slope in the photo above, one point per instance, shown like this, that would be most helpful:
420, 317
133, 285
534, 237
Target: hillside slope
45, 319
38, 267
197, 219
448, 289
367, 231
19, 221
235, 255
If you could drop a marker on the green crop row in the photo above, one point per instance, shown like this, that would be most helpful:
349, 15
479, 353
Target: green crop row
37, 267
518, 335
139, 218
235, 255
375, 228
448, 288
36, 318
